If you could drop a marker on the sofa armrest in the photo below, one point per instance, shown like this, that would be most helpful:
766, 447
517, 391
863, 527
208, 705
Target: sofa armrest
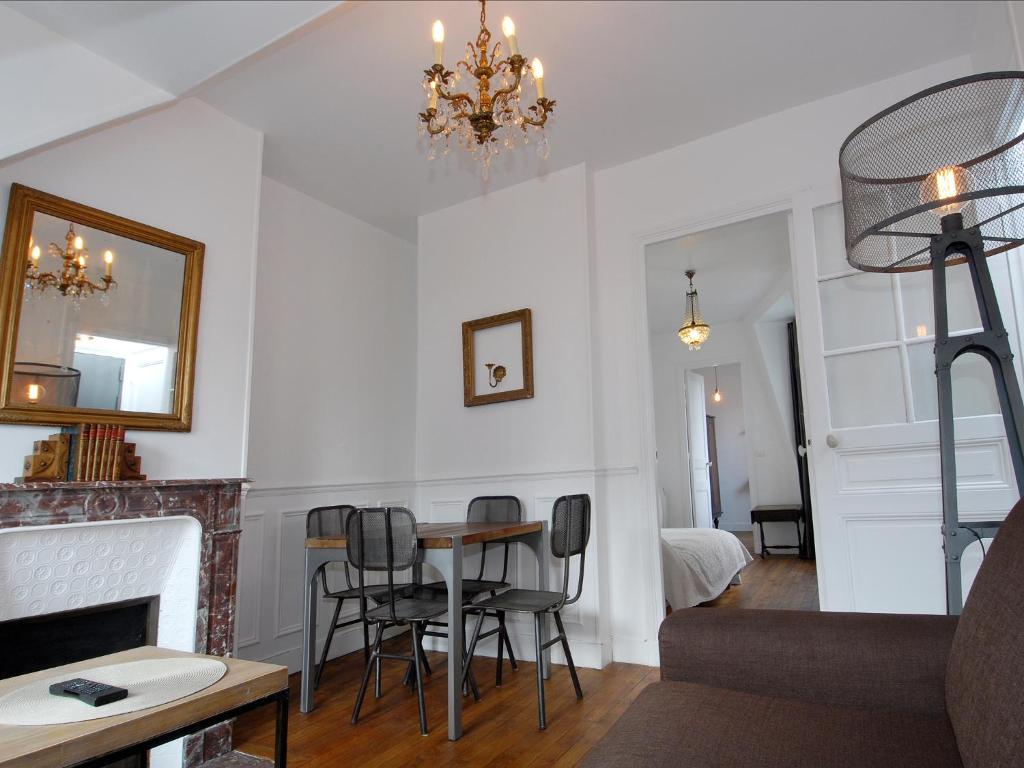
858, 659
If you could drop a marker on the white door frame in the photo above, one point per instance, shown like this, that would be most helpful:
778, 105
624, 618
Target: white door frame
788, 202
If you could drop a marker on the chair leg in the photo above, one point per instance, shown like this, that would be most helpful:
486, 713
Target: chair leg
327, 645
501, 650
380, 663
423, 658
417, 655
541, 716
369, 669
366, 641
764, 552
568, 656
508, 643
467, 667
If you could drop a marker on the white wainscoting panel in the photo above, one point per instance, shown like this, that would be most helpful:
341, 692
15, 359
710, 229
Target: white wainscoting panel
272, 565
980, 464
250, 565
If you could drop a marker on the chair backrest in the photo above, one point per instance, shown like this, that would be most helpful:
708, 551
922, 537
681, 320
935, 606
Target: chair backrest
570, 533
494, 509
329, 522
381, 539
985, 675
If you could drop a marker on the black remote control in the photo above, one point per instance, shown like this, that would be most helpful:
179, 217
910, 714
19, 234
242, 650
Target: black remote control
89, 692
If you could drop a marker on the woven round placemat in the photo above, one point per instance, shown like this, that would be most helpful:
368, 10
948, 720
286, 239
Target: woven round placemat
150, 683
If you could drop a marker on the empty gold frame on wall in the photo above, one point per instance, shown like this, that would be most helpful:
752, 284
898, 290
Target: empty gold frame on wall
508, 336
128, 359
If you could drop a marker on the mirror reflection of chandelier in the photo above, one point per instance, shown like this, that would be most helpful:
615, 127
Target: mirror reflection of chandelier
694, 330
477, 117
72, 280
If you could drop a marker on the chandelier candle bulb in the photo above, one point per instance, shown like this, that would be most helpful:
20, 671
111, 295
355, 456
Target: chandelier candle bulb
79, 243
438, 34
108, 258
538, 76
35, 253
508, 27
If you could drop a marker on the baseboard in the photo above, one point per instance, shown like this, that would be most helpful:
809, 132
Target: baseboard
585, 653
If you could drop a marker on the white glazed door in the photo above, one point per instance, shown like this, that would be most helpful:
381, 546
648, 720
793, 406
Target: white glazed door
697, 450
867, 346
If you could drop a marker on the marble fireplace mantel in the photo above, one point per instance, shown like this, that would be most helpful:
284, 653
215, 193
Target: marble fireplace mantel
214, 503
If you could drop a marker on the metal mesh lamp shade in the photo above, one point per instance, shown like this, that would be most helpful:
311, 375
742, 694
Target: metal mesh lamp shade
933, 181
953, 148
694, 331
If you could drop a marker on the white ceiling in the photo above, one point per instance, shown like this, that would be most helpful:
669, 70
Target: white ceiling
173, 45
338, 99
740, 267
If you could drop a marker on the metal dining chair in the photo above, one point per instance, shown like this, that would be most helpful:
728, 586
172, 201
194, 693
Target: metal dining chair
487, 509
327, 522
570, 532
383, 540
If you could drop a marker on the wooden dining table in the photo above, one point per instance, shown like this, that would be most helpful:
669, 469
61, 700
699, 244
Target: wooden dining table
443, 546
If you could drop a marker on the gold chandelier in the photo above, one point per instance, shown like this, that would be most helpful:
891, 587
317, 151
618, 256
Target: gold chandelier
72, 279
694, 330
476, 120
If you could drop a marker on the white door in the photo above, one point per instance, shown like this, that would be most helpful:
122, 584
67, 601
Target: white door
866, 343
697, 450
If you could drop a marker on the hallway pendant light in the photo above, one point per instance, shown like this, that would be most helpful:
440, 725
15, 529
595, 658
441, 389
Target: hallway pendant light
716, 395
694, 330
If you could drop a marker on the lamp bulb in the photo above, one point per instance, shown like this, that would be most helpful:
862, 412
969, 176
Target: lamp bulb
35, 253
79, 243
438, 31
717, 397
943, 184
538, 69
108, 256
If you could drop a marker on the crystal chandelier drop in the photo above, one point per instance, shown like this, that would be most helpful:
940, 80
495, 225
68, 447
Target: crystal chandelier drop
72, 280
694, 330
479, 119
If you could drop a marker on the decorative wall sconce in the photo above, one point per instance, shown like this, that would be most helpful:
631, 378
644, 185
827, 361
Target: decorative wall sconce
495, 373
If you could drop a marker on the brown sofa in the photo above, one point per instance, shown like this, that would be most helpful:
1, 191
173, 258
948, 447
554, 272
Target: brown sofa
830, 690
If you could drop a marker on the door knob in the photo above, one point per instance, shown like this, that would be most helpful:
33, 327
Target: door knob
801, 451
831, 441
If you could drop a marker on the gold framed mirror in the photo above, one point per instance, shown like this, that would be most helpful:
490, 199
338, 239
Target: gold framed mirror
99, 316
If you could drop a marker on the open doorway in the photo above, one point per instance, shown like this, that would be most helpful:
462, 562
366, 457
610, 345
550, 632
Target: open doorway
728, 420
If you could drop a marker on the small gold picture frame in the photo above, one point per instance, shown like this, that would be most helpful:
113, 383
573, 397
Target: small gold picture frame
497, 358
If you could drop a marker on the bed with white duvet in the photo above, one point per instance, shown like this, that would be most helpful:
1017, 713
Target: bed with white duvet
699, 563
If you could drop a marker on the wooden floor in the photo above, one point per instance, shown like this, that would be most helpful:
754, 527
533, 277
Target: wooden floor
783, 582
500, 729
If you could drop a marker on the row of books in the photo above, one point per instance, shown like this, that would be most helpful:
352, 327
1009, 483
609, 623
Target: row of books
99, 452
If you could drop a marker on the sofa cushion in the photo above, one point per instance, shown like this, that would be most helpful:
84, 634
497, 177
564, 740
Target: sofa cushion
984, 688
698, 726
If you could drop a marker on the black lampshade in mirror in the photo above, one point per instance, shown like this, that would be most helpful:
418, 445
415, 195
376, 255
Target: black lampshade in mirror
45, 384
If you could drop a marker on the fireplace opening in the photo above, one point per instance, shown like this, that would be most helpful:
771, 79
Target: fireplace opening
41, 642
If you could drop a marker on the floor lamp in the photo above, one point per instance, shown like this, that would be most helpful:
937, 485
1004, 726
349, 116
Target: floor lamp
934, 181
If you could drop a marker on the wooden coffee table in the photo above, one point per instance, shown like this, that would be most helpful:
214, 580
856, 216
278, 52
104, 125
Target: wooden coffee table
246, 685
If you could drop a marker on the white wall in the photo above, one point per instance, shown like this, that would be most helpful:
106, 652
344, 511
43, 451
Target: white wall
191, 170
524, 246
731, 444
507, 250
54, 87
333, 400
